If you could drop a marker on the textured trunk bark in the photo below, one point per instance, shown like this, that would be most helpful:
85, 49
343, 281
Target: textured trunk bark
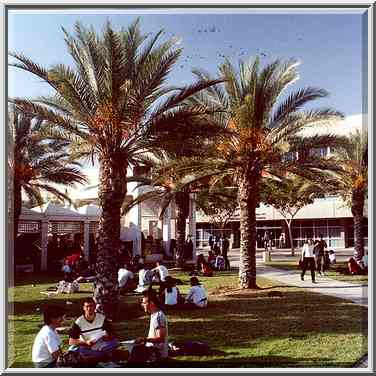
112, 191
248, 199
290, 236
357, 212
182, 211
17, 202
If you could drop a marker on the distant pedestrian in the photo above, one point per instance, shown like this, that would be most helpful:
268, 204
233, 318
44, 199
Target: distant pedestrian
308, 259
211, 242
266, 241
225, 248
320, 247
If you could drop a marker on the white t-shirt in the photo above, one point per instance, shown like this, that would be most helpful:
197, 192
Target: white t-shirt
163, 272
171, 298
46, 342
124, 275
158, 320
197, 295
307, 250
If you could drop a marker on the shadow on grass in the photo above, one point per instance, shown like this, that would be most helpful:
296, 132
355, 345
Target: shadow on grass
270, 361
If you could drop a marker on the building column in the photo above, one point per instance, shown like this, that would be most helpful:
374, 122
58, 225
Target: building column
166, 231
86, 239
192, 223
44, 243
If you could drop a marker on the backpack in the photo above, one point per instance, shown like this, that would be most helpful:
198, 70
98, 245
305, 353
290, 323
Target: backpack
69, 359
188, 348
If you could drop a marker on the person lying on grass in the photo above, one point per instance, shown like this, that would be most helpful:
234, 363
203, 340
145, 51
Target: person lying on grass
157, 338
92, 334
46, 347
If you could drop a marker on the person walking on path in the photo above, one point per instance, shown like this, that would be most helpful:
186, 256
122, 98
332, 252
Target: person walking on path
308, 259
320, 247
225, 247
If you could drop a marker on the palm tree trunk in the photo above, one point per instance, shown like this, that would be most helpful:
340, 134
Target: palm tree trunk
112, 191
248, 199
182, 211
357, 212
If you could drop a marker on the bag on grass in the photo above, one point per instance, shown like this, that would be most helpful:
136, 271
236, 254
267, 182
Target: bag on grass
69, 359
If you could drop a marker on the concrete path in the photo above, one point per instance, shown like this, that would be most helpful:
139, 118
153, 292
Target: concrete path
356, 293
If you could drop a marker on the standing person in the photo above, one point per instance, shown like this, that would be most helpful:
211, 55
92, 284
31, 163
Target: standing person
266, 240
211, 242
197, 296
308, 259
225, 248
188, 248
157, 338
320, 250
46, 346
92, 333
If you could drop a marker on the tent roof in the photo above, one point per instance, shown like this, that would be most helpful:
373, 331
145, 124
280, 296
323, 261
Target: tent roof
90, 210
52, 209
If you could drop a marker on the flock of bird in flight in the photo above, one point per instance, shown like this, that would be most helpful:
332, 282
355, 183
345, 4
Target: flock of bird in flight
214, 29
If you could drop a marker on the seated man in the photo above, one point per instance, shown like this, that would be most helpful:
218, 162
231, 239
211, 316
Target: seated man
197, 296
157, 338
161, 270
144, 279
46, 347
125, 278
92, 333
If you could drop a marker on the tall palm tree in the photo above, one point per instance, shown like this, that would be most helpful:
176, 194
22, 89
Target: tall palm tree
38, 164
118, 107
352, 183
266, 135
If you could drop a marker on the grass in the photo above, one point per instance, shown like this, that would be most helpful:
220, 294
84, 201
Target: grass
331, 273
243, 328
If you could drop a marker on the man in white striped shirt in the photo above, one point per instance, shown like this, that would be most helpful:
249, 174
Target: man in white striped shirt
92, 333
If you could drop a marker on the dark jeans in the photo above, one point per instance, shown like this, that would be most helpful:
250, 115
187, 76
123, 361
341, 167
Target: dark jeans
227, 262
309, 262
106, 348
320, 263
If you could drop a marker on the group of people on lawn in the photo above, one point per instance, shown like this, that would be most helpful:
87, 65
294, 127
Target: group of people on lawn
92, 337
315, 257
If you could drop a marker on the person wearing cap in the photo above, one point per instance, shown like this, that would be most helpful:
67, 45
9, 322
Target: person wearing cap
197, 295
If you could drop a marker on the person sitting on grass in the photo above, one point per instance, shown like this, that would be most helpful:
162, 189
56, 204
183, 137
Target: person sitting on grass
157, 338
46, 347
211, 259
332, 257
144, 278
354, 268
125, 279
197, 295
171, 295
92, 334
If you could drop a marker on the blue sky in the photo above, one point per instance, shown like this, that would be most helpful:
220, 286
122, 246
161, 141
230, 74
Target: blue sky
329, 45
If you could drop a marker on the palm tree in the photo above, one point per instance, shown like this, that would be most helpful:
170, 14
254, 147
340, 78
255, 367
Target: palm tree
117, 106
38, 164
352, 183
265, 138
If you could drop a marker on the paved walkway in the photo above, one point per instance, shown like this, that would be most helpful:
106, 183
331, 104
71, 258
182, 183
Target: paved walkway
356, 293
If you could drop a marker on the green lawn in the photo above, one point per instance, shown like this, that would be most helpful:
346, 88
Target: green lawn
243, 328
331, 273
